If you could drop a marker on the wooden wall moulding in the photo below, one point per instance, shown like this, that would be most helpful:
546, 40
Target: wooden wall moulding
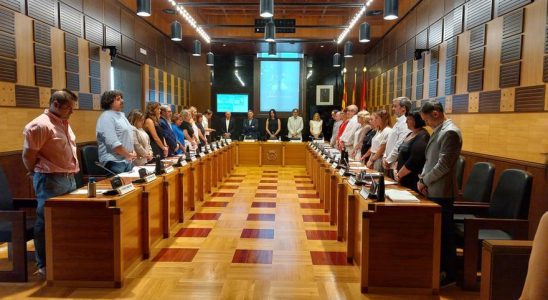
473, 102
7, 90
507, 100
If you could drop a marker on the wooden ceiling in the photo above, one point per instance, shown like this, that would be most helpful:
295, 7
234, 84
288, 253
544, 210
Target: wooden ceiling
231, 24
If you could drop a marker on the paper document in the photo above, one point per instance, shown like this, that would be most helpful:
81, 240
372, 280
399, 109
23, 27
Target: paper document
401, 196
84, 191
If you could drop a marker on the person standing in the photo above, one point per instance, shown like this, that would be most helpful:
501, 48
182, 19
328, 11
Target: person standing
49, 155
401, 107
141, 140
346, 140
114, 134
227, 126
316, 125
251, 126
295, 125
438, 180
206, 121
337, 118
273, 125
169, 135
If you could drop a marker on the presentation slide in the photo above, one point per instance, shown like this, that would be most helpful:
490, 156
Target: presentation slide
280, 85
232, 102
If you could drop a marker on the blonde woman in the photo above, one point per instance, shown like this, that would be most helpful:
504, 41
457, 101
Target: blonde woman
316, 126
363, 119
381, 122
141, 140
152, 127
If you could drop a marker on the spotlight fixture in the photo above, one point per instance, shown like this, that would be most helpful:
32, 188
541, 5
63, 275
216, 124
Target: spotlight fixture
266, 8
365, 33
210, 61
270, 31
239, 78
336, 60
196, 48
272, 49
176, 31
143, 8
390, 9
348, 49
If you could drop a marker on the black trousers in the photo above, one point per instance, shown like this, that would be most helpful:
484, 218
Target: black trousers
448, 243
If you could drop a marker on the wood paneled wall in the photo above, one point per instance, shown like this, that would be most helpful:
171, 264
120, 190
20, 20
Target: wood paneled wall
486, 62
200, 93
46, 45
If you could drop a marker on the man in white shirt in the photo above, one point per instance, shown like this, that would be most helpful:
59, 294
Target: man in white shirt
347, 137
401, 107
227, 127
205, 123
295, 125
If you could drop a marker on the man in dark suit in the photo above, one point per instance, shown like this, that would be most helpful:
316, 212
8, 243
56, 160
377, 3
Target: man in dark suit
438, 180
227, 126
251, 126
169, 135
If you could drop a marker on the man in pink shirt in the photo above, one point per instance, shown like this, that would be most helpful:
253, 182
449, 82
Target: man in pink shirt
49, 154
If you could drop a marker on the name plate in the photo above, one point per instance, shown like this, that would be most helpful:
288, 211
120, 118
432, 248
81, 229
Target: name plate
208, 147
334, 165
364, 193
169, 169
228, 141
124, 189
273, 141
249, 141
352, 180
183, 163
324, 156
341, 172
193, 158
150, 178
202, 154
295, 141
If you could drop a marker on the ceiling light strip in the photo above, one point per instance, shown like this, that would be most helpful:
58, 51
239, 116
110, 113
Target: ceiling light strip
353, 21
190, 20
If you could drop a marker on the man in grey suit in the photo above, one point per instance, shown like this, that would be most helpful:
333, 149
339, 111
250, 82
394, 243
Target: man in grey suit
438, 182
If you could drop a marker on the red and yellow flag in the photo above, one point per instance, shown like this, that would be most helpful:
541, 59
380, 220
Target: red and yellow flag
364, 90
354, 87
345, 96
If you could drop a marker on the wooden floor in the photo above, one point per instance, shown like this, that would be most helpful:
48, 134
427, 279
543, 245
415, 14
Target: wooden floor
261, 235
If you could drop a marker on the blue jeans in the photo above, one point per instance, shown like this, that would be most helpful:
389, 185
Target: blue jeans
448, 243
47, 186
119, 166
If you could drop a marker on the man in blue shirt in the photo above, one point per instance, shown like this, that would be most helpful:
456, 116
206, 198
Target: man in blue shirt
169, 135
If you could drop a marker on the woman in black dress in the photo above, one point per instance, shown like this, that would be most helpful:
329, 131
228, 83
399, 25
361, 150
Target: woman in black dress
411, 156
154, 130
273, 125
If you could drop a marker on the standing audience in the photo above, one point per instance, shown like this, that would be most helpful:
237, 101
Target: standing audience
381, 122
141, 140
273, 125
411, 153
400, 107
360, 134
154, 131
316, 125
295, 125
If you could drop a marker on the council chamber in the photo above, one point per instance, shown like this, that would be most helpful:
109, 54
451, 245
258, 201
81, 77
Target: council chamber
274, 149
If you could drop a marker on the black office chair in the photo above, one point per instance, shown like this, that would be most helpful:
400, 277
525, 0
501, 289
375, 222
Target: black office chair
477, 189
506, 219
16, 230
90, 155
459, 170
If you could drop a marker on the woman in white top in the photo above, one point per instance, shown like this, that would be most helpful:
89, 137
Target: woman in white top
316, 126
381, 122
141, 140
359, 135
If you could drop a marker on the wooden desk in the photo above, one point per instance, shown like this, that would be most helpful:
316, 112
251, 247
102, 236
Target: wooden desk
94, 242
268, 153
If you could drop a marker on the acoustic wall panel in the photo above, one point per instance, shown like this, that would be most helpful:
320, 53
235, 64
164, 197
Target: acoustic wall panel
43, 76
71, 44
94, 52
452, 46
42, 55
7, 45
93, 30
43, 10
70, 20
85, 101
8, 70
505, 6
435, 33
476, 59
27, 96
17, 5
512, 24
95, 85
113, 38
511, 49
477, 12
475, 81
73, 81
477, 37
452, 23
42, 33
7, 21
510, 74
72, 63
489, 102
460, 103
421, 40
530, 98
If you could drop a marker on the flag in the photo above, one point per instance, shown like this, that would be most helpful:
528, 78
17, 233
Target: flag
363, 104
343, 104
354, 87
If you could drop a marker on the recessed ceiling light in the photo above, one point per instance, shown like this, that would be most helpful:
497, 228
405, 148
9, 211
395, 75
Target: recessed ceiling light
321, 46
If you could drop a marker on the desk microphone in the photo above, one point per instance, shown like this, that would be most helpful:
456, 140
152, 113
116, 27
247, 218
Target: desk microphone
187, 154
116, 181
159, 170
